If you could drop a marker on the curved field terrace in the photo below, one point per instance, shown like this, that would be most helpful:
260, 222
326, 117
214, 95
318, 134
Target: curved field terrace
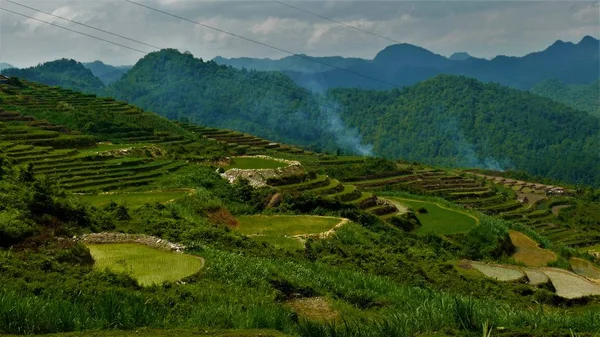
147, 265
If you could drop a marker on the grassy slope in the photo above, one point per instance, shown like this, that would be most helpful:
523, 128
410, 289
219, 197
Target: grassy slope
147, 265
135, 198
285, 225
168, 333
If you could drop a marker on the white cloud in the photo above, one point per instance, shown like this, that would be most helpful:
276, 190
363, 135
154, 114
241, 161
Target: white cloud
482, 28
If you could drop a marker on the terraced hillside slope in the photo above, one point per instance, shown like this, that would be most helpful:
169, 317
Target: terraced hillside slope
534, 205
325, 268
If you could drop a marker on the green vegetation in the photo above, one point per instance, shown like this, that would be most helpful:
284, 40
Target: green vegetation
377, 278
579, 96
68, 74
439, 219
460, 122
282, 225
285, 231
134, 199
446, 120
147, 265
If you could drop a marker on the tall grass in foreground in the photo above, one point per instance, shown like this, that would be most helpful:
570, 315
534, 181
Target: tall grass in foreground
237, 292
27, 314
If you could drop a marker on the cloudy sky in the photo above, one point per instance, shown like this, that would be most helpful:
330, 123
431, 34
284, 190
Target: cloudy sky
482, 28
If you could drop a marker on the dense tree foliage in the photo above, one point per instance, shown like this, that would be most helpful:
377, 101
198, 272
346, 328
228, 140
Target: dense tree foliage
267, 104
448, 120
455, 121
585, 97
68, 74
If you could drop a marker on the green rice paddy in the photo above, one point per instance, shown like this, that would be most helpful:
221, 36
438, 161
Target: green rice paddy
147, 265
439, 219
280, 230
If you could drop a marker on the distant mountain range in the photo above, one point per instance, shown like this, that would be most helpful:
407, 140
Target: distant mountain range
447, 120
5, 66
106, 73
406, 64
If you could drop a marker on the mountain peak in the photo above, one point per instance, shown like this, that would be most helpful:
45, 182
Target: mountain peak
406, 55
460, 56
588, 40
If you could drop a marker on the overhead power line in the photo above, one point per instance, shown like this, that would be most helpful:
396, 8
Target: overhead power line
336, 21
131, 48
74, 31
84, 25
144, 52
264, 44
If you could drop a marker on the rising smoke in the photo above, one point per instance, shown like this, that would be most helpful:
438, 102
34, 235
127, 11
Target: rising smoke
348, 139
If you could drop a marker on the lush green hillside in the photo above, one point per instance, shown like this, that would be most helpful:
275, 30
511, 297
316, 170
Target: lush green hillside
460, 122
105, 72
105, 118
68, 74
373, 274
181, 87
579, 96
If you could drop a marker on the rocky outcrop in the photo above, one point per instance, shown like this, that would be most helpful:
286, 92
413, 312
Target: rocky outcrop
259, 177
147, 240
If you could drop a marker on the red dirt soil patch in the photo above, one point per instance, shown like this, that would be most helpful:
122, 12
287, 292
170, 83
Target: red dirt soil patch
313, 308
528, 251
222, 216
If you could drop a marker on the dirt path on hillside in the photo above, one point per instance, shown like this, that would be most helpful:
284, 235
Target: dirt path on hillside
326, 234
556, 209
401, 208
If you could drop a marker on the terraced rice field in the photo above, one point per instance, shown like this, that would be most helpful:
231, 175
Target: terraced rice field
134, 199
331, 188
536, 277
498, 272
44, 102
529, 252
240, 143
439, 219
147, 265
285, 231
569, 285
585, 268
254, 163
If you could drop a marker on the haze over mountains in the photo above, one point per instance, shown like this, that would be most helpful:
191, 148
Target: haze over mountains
405, 64
445, 119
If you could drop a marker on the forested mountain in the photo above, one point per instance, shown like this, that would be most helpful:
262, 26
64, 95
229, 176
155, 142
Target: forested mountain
65, 73
105, 72
405, 64
460, 56
299, 63
579, 96
267, 104
456, 121
448, 120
